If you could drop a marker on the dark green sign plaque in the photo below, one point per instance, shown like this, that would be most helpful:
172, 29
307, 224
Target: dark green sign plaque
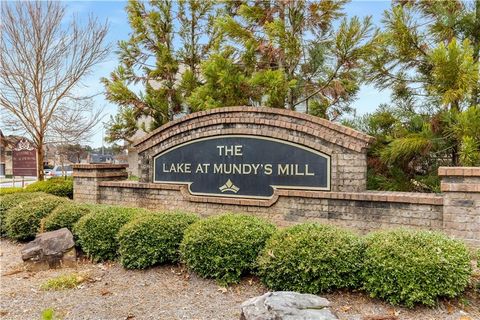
242, 166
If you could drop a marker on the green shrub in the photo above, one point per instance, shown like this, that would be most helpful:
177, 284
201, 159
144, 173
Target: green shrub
152, 239
97, 230
311, 258
409, 267
11, 200
224, 247
22, 222
9, 190
58, 186
65, 216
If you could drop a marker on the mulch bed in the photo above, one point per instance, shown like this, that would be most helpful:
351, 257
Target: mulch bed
171, 292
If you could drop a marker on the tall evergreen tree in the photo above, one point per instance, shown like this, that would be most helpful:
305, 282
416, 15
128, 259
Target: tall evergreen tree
289, 52
428, 54
154, 76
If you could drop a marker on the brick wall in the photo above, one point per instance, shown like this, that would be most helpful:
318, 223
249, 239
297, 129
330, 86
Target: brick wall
86, 179
461, 212
364, 211
456, 210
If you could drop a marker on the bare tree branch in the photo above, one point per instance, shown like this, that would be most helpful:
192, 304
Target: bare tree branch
41, 63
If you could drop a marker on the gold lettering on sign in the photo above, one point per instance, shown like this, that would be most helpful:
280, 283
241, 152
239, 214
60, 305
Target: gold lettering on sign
202, 168
294, 170
177, 168
267, 169
235, 150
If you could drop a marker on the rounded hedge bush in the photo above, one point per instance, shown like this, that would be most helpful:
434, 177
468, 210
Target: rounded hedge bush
225, 247
311, 258
97, 231
409, 267
22, 222
65, 216
153, 239
10, 190
58, 186
12, 200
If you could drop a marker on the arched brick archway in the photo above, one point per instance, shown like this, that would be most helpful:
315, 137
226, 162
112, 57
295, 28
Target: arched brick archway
346, 147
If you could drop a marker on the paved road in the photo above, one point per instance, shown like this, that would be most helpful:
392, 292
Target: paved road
5, 183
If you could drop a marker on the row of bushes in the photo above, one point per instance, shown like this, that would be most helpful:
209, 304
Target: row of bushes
400, 266
24, 214
58, 186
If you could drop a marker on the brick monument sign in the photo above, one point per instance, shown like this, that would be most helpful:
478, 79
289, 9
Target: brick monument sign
283, 165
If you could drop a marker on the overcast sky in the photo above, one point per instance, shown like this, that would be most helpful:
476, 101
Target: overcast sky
113, 11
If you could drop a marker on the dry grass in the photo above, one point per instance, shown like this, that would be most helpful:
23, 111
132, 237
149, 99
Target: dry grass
65, 281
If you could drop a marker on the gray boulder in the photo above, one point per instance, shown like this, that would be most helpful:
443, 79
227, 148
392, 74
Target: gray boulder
50, 250
287, 305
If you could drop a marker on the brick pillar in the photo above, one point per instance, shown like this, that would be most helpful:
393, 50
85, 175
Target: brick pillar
87, 176
461, 202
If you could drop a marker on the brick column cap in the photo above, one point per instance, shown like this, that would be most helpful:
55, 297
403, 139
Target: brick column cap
93, 166
459, 171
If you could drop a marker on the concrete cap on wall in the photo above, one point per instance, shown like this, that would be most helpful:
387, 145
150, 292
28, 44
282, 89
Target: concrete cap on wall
459, 171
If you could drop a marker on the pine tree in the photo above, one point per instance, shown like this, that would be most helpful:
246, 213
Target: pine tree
154, 77
289, 52
428, 54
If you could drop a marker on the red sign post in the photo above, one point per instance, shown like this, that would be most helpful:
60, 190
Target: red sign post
24, 159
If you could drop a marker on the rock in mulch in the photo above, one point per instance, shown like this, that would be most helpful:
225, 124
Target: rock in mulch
287, 305
50, 250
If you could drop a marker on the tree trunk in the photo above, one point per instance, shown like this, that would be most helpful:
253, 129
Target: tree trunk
455, 106
40, 156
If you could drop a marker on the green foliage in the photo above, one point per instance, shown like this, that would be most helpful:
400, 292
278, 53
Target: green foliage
434, 59
414, 267
311, 258
229, 53
48, 314
464, 128
224, 247
288, 53
409, 147
432, 69
97, 230
469, 152
9, 190
152, 239
58, 186
478, 258
22, 222
151, 62
454, 71
133, 178
62, 282
224, 85
65, 216
11, 200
